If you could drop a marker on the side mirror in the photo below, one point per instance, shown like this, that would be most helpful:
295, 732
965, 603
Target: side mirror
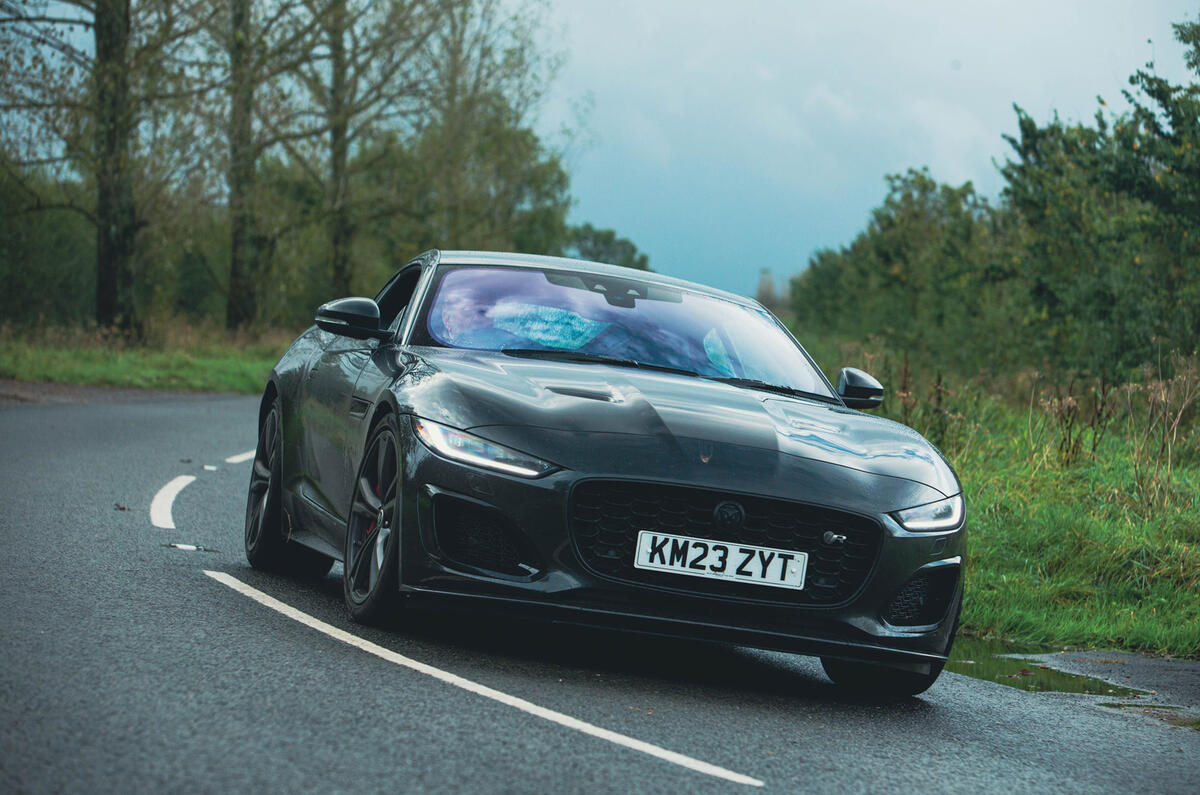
859, 390
351, 317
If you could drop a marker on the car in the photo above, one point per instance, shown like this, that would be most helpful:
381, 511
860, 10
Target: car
596, 445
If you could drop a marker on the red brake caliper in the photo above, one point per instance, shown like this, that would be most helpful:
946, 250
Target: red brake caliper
371, 529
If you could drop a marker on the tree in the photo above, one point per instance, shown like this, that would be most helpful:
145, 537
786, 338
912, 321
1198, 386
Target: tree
766, 294
603, 245
257, 49
85, 113
364, 79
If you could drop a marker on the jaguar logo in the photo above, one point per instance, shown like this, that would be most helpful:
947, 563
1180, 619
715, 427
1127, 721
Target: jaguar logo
729, 515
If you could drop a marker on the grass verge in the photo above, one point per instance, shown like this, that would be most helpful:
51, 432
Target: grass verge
184, 358
1068, 554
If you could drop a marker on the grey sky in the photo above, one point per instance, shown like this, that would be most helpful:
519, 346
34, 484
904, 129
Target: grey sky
729, 137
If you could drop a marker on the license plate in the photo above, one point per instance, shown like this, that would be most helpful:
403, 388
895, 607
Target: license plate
720, 560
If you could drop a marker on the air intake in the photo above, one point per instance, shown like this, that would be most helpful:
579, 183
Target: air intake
923, 599
479, 537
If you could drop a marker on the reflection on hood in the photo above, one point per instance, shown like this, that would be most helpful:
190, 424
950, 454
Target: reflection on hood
475, 390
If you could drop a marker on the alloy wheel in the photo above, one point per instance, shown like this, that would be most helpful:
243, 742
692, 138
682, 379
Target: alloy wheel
372, 517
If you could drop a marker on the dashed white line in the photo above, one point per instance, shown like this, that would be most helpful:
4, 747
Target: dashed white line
160, 506
240, 457
482, 690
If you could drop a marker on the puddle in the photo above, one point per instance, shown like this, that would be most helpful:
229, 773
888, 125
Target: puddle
1002, 663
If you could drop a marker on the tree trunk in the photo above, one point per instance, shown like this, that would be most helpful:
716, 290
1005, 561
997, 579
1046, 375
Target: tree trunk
116, 220
339, 184
241, 306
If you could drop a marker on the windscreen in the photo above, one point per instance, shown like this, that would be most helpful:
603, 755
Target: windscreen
531, 310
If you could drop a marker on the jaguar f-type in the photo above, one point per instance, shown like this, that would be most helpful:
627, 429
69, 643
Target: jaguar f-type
574, 442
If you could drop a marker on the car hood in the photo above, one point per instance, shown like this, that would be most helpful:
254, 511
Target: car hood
478, 390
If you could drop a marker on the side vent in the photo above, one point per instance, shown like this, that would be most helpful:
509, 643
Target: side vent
479, 537
924, 599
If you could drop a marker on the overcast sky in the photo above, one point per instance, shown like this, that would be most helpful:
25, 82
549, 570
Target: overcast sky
728, 137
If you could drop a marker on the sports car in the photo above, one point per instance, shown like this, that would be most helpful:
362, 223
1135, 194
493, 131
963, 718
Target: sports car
590, 444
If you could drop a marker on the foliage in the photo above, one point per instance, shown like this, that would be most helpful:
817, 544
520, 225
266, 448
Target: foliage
251, 160
603, 245
1087, 265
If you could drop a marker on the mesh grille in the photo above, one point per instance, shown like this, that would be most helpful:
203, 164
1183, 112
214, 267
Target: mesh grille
606, 516
476, 536
923, 599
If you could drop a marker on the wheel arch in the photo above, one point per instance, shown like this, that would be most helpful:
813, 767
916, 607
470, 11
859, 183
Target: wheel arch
269, 394
383, 408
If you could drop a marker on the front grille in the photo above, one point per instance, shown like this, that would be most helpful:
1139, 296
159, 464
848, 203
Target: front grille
923, 599
606, 517
479, 537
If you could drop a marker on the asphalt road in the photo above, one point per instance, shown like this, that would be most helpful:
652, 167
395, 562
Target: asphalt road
123, 666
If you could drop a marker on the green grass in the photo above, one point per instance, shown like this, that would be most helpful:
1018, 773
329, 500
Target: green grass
1069, 554
186, 359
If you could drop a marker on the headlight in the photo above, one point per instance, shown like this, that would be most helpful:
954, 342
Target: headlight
944, 514
461, 446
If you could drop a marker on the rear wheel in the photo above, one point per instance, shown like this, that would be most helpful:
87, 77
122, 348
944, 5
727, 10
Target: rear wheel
370, 582
266, 538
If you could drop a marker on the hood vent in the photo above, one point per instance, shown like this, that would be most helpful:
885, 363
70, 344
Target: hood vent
605, 395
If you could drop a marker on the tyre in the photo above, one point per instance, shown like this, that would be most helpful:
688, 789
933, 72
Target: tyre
267, 545
370, 582
879, 681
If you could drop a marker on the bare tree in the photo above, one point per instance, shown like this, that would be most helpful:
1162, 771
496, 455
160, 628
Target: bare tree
255, 50
364, 78
488, 71
84, 111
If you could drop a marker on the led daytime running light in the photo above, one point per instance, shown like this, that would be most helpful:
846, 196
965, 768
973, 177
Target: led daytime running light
945, 514
469, 449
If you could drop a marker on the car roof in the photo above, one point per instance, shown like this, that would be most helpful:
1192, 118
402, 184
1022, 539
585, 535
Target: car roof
579, 266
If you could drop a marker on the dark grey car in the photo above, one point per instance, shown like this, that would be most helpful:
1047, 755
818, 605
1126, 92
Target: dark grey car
597, 445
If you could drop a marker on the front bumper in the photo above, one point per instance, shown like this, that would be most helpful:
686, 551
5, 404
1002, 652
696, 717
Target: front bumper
545, 577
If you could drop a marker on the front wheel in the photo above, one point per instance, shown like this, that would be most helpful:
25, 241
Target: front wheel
879, 681
371, 561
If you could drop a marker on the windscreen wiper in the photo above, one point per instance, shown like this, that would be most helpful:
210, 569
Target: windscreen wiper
560, 355
766, 386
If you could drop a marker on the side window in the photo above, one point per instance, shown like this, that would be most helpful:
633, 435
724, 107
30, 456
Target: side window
395, 296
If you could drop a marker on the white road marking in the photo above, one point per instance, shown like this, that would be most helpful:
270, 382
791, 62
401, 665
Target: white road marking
160, 506
478, 689
185, 547
209, 468
240, 457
